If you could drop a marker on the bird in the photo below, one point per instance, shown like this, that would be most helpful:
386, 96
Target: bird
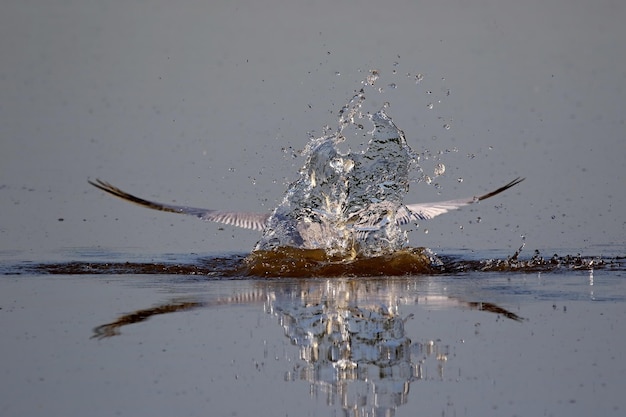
342, 202
259, 221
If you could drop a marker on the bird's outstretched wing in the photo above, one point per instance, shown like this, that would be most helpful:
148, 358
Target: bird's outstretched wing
258, 221
425, 211
254, 221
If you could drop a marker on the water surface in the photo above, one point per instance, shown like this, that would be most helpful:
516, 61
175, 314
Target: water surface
206, 104
189, 335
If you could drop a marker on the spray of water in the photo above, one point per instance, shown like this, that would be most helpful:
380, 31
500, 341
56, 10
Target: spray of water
345, 202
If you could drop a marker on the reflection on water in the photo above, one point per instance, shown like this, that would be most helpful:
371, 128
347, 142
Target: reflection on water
353, 340
113, 329
352, 346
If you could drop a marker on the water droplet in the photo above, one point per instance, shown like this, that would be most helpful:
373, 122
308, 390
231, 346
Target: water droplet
459, 179
372, 77
430, 106
446, 126
440, 169
425, 231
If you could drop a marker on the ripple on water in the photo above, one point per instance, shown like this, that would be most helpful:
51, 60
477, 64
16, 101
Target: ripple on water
293, 262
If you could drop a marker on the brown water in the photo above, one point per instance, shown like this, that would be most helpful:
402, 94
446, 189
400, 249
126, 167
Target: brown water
305, 263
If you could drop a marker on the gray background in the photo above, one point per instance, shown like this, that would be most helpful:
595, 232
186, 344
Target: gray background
194, 102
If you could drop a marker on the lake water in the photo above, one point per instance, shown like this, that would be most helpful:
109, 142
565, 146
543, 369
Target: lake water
108, 309
122, 334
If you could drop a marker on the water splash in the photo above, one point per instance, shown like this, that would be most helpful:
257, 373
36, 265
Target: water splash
345, 202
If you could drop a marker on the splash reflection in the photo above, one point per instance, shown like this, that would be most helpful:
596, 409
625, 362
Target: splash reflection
353, 346
352, 343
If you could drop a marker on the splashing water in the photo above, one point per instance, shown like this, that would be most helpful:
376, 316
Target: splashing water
346, 202
347, 205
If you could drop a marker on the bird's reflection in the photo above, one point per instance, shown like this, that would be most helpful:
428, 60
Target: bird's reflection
353, 348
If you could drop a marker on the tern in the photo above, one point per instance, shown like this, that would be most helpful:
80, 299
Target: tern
342, 203
259, 221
